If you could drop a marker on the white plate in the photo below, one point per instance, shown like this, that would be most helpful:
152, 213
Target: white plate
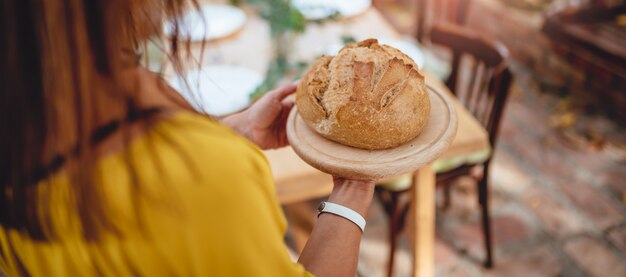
406, 47
218, 90
211, 22
320, 9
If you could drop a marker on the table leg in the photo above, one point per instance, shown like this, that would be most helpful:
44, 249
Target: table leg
422, 222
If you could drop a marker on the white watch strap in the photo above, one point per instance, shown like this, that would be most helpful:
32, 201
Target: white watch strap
347, 213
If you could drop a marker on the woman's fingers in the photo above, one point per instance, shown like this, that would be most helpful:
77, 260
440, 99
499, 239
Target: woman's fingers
287, 105
284, 91
338, 180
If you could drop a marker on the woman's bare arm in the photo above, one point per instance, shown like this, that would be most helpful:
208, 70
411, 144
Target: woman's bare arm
333, 248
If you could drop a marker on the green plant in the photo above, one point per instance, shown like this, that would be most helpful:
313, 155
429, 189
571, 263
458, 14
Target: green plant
284, 20
347, 39
280, 14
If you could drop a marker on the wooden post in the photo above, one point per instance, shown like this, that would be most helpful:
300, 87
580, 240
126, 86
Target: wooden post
422, 222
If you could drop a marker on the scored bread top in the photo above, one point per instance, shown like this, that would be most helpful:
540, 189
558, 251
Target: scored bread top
368, 96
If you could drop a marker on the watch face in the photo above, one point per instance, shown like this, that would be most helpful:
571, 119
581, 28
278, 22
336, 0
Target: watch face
321, 207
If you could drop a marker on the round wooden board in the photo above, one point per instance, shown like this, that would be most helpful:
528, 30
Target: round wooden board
354, 163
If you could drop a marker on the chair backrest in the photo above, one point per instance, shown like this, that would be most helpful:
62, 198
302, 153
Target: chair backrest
482, 84
594, 12
430, 12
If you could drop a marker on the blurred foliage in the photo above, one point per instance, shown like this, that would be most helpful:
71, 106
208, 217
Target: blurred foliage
281, 15
284, 19
347, 39
277, 71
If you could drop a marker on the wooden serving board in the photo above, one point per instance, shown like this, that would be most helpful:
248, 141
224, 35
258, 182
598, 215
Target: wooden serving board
354, 163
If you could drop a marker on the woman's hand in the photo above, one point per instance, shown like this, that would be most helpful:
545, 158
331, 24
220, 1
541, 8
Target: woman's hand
264, 123
354, 194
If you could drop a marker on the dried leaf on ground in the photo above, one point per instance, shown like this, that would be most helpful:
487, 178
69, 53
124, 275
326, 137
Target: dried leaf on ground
563, 120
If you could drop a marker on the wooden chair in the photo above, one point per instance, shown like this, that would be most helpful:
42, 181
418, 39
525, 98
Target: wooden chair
430, 12
591, 39
483, 92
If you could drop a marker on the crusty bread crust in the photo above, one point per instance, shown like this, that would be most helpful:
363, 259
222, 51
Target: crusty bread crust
369, 96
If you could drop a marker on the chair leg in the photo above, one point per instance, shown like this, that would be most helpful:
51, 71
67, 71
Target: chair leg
447, 197
396, 211
393, 233
483, 199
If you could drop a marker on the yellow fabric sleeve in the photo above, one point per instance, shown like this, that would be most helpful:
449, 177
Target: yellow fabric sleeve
206, 207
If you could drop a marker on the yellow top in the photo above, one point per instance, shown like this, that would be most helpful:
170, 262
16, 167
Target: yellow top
206, 207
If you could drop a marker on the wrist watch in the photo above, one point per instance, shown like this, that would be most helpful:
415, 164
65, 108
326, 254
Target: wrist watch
342, 211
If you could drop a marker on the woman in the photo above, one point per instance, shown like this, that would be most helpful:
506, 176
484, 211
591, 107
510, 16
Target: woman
105, 171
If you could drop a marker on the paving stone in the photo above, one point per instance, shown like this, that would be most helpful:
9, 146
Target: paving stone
445, 256
467, 237
594, 258
617, 236
541, 261
584, 166
404, 263
544, 160
598, 208
615, 179
459, 270
556, 219
507, 229
374, 252
507, 174
374, 256
531, 122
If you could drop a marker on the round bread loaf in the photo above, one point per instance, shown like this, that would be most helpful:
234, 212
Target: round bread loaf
368, 96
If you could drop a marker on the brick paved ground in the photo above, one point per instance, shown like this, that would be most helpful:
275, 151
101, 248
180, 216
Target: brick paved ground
557, 203
558, 178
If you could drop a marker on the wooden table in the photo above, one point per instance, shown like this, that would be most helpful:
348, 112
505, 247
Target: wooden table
296, 180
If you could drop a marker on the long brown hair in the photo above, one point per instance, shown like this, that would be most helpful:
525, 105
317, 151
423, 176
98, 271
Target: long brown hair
55, 58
